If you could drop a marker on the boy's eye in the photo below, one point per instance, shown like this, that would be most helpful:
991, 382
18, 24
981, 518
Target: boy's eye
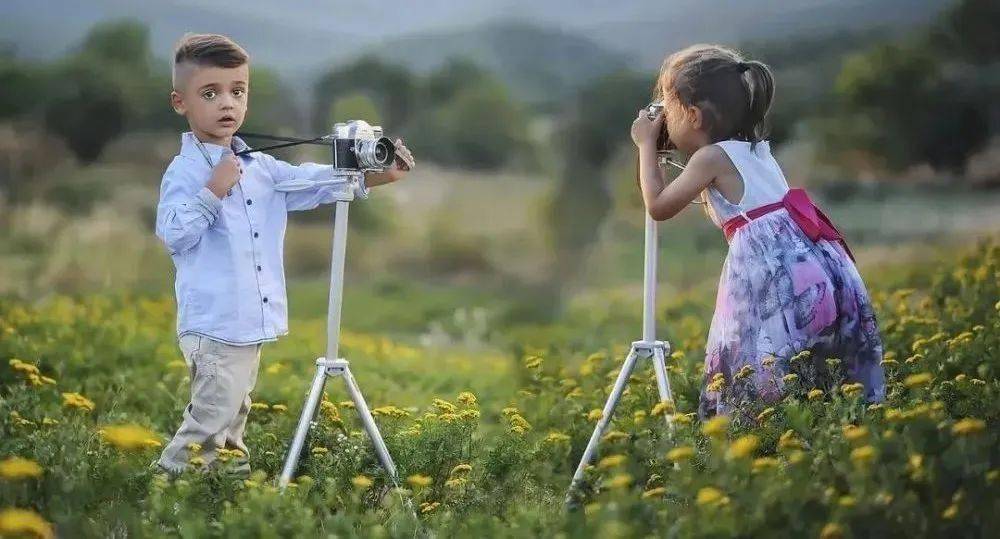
239, 92
208, 94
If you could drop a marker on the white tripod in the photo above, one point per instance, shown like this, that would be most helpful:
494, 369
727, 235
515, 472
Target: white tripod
648, 347
331, 365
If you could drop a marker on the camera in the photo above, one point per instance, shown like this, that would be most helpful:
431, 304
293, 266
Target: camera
357, 145
664, 146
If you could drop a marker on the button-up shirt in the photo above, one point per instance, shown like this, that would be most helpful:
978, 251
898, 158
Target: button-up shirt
230, 281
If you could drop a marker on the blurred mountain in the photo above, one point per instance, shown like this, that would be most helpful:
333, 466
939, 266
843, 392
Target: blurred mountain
542, 47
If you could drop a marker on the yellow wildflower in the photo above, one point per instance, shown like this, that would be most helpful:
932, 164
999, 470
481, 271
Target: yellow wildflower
467, 398
456, 482
427, 507
863, 455
743, 447
15, 468
461, 469
611, 461
662, 407
654, 492
595, 415
622, 480
128, 437
76, 400
789, 440
852, 390
854, 433
614, 436
718, 382
968, 426
765, 463
951, 512
815, 394
532, 362
681, 453
280, 408
766, 414
847, 501
14, 522
716, 427
418, 480
710, 496
789, 378
831, 531
918, 380
362, 482
556, 438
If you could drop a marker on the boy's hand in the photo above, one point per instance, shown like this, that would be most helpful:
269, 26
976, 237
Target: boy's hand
404, 159
225, 175
403, 163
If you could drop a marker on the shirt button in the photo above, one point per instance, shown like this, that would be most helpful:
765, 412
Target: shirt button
265, 300
258, 268
249, 202
256, 235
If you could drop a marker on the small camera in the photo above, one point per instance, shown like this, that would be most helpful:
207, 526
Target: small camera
654, 109
357, 145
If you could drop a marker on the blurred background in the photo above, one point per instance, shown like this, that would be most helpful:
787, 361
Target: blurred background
524, 210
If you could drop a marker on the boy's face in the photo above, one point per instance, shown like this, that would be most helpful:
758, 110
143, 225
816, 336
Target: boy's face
214, 100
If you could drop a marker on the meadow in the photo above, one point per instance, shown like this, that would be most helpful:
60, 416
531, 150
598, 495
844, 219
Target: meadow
486, 417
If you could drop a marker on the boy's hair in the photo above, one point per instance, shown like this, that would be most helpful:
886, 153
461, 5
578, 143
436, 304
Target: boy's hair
734, 94
202, 50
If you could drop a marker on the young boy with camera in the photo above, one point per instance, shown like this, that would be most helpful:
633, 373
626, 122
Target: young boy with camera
223, 222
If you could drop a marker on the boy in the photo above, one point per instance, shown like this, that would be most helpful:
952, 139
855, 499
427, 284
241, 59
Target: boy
224, 225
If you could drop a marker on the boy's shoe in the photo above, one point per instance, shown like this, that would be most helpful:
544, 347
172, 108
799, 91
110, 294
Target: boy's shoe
160, 471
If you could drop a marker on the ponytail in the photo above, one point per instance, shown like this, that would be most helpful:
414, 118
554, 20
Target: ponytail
760, 85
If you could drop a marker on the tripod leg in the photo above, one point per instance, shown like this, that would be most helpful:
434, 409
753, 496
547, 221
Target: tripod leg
663, 381
609, 410
369, 423
308, 412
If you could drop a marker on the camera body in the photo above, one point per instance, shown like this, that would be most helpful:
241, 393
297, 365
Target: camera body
664, 146
359, 146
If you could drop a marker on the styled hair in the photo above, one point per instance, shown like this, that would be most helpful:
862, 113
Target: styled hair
733, 93
212, 50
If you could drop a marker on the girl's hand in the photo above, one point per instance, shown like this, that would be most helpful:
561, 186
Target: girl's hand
646, 131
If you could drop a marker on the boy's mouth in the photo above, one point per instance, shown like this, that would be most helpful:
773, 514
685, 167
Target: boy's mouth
228, 121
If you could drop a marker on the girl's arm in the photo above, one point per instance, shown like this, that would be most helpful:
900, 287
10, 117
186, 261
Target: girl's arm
664, 201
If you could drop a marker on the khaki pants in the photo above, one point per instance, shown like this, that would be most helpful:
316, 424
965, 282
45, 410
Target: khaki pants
222, 377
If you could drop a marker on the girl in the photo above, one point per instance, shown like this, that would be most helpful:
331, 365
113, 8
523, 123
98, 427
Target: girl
789, 283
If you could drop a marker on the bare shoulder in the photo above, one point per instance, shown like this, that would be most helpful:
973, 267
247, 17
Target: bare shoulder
710, 158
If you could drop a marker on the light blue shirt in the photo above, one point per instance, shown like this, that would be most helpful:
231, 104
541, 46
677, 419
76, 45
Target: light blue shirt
230, 281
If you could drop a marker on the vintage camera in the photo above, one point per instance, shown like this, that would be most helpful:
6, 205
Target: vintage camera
664, 147
357, 145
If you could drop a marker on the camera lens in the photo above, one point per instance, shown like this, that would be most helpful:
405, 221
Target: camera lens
376, 153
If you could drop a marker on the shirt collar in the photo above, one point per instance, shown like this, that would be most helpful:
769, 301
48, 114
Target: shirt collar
189, 148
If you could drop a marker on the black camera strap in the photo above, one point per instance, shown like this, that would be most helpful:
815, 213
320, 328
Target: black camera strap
286, 142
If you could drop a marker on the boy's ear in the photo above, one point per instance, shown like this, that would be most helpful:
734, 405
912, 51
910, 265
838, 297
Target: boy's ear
177, 102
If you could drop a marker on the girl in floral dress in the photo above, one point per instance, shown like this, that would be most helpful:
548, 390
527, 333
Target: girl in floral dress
790, 299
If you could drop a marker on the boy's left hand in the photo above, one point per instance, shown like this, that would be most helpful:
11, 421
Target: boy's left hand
404, 159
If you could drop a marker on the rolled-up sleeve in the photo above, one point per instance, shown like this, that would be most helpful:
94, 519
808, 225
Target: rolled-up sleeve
307, 199
185, 211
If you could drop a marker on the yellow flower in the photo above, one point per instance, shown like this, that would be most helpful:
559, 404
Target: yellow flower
718, 382
765, 463
128, 437
444, 406
951, 512
662, 407
556, 438
852, 390
362, 482
595, 415
427, 507
76, 400
319, 450
854, 433
677, 454
280, 408
765, 415
622, 480
710, 496
789, 378
461, 469
14, 522
863, 455
15, 468
847, 501
194, 447
968, 426
260, 406
456, 482
418, 480
654, 492
716, 427
743, 447
682, 419
614, 436
789, 440
532, 362
918, 380
467, 398
611, 461
745, 372
831, 531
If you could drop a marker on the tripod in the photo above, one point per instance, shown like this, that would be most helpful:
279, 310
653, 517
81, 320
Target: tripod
647, 348
332, 366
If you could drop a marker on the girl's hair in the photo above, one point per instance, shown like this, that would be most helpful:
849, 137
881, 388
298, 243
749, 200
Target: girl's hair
733, 93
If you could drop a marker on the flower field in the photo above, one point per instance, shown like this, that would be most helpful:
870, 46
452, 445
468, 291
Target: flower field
486, 439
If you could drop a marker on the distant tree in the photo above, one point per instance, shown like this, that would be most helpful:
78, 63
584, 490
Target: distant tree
86, 109
391, 87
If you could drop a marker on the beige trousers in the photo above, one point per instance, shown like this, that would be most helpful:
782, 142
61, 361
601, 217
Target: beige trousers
222, 377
